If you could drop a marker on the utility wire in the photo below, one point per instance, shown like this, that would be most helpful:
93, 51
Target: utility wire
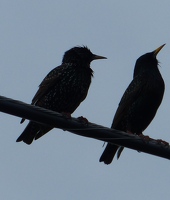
79, 127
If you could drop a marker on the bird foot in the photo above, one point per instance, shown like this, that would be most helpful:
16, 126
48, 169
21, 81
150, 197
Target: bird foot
159, 141
83, 120
145, 138
129, 132
66, 115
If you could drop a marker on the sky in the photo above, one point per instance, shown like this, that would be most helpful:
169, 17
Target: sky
33, 38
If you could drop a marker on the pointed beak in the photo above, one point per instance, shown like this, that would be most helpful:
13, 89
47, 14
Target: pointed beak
158, 50
96, 57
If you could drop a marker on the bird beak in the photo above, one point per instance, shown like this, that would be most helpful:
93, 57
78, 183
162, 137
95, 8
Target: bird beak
96, 57
158, 50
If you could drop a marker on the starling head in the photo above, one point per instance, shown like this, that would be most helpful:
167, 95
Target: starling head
81, 56
147, 61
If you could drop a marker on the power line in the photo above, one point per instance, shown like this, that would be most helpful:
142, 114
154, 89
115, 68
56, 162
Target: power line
76, 126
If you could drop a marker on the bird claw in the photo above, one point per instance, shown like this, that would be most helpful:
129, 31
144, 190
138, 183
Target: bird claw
159, 141
129, 132
83, 120
145, 138
66, 115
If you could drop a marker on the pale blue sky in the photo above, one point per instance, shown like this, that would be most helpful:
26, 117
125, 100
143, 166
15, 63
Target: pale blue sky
33, 38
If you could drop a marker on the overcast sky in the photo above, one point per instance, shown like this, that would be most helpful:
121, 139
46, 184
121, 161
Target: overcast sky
33, 38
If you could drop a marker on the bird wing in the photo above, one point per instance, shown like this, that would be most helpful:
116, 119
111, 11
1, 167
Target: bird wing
131, 95
52, 77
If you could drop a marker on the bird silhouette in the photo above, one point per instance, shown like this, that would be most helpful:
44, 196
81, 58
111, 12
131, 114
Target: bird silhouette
63, 89
139, 103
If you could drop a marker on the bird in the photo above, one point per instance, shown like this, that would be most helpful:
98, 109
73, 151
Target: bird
139, 103
63, 89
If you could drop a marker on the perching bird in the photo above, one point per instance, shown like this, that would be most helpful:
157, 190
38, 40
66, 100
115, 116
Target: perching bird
139, 103
63, 89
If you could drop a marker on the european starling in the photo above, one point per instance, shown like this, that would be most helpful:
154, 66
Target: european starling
63, 89
139, 103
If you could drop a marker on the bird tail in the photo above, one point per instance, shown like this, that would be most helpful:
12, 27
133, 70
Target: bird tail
33, 131
108, 153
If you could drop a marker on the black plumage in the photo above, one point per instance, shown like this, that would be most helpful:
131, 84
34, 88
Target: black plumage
139, 103
63, 89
